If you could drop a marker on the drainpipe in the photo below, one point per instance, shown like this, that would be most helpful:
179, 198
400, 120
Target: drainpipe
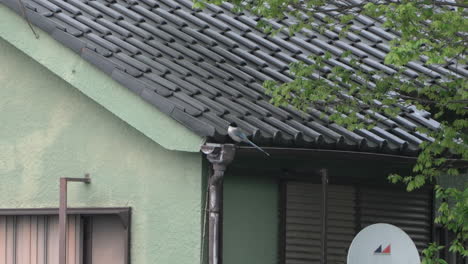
220, 156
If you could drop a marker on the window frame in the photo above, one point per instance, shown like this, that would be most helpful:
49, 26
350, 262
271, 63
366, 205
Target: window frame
124, 214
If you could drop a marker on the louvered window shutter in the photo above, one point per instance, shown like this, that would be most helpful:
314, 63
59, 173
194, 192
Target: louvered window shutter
411, 212
34, 240
349, 210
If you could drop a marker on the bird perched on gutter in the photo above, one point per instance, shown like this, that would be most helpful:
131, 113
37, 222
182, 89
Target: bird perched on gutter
237, 135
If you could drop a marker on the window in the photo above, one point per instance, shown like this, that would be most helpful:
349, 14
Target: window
94, 236
350, 209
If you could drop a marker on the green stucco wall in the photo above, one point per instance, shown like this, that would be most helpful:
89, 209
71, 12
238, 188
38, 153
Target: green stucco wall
49, 129
250, 218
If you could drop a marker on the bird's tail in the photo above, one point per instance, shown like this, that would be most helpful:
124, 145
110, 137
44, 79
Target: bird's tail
257, 147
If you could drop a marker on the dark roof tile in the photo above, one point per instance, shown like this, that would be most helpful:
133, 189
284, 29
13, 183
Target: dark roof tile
285, 57
272, 60
85, 8
406, 136
212, 21
253, 106
298, 136
337, 138
232, 106
105, 9
236, 72
135, 63
173, 66
191, 101
195, 69
186, 52
171, 3
148, 14
206, 53
69, 40
93, 25
186, 86
52, 7
255, 73
126, 67
241, 40
345, 46
114, 27
160, 102
98, 60
123, 44
326, 46
312, 48
213, 105
199, 127
248, 21
244, 90
234, 22
127, 12
125, 79
134, 29
66, 6
73, 22
218, 37
199, 36
262, 41
165, 49
276, 75
204, 68
224, 88
152, 63
158, 33
381, 32
185, 107
186, 3
103, 42
191, 18
228, 55
203, 86
248, 56
170, 17
144, 47
215, 71
151, 3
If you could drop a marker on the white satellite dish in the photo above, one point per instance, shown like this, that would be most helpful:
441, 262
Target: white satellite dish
383, 244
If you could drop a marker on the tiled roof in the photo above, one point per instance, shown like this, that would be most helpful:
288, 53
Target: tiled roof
205, 68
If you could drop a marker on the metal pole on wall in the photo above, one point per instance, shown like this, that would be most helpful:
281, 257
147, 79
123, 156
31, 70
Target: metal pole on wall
63, 215
324, 214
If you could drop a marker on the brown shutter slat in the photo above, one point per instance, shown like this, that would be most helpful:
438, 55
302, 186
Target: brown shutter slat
303, 224
409, 211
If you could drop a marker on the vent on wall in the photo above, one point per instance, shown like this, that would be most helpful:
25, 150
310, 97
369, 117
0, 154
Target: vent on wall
350, 209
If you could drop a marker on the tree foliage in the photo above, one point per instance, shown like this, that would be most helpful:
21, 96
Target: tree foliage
433, 32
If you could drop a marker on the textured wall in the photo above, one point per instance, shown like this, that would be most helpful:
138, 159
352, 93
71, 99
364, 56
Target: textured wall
250, 218
48, 129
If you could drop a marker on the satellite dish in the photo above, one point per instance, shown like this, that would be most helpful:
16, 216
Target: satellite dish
383, 244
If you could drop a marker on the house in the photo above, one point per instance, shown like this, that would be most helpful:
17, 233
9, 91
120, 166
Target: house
130, 92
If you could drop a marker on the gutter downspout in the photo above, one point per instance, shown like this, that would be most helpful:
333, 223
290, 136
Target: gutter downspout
220, 156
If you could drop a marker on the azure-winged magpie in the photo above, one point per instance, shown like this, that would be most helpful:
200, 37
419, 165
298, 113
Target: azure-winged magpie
237, 135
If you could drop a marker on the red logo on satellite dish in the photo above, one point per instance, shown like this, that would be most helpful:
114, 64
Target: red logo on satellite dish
386, 251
